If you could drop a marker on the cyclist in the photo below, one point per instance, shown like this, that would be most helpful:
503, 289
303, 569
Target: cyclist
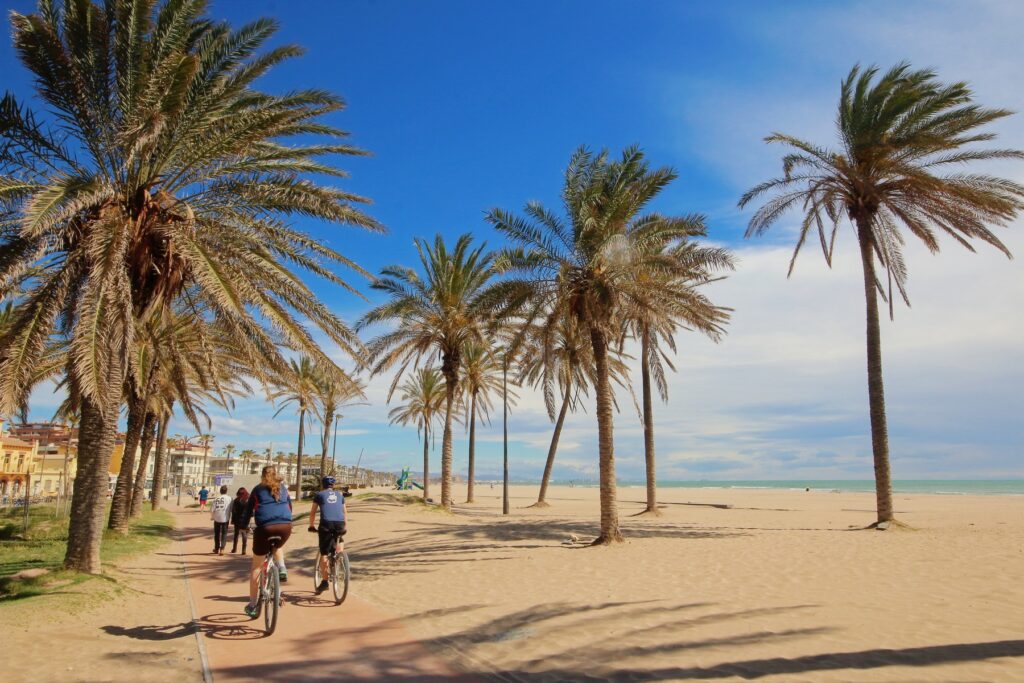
331, 505
270, 504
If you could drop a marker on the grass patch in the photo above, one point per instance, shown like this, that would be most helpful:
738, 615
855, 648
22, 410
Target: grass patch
43, 547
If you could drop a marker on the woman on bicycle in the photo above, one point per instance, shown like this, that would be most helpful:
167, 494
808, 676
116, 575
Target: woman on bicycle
331, 505
270, 505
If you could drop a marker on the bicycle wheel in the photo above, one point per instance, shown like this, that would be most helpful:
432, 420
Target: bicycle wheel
317, 577
339, 578
272, 599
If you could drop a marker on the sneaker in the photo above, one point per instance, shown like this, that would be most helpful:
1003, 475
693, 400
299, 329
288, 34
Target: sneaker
283, 576
322, 587
252, 611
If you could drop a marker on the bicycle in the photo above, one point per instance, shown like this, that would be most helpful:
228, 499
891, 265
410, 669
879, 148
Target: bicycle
338, 570
268, 588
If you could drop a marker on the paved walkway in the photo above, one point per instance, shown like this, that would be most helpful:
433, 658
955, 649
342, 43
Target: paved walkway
315, 640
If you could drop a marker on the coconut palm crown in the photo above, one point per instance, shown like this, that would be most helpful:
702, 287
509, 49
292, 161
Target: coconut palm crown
904, 137
157, 166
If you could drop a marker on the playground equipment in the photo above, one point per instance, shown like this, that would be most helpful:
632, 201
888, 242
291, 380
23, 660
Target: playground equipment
405, 482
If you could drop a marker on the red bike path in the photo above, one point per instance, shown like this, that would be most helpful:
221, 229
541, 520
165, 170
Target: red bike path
315, 639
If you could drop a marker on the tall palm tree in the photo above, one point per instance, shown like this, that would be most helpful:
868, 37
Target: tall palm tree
229, 450
247, 456
437, 313
903, 137
332, 397
668, 298
298, 387
183, 359
423, 396
562, 367
588, 269
481, 379
167, 172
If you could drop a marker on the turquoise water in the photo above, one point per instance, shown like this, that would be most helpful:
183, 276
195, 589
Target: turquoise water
943, 486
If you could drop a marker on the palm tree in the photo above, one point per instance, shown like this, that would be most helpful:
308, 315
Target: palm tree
247, 456
332, 397
899, 135
560, 364
481, 378
667, 299
423, 395
167, 173
588, 270
229, 450
299, 386
438, 313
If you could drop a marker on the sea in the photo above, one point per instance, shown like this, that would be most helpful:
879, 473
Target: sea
952, 487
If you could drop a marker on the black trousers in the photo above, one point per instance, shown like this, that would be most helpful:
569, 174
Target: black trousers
244, 533
220, 536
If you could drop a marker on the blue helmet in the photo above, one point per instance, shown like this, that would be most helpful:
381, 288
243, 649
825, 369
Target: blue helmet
327, 481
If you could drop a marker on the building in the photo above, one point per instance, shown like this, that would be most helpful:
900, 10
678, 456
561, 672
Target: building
19, 466
55, 443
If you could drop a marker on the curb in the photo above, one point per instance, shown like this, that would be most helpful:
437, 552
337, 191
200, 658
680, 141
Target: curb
204, 660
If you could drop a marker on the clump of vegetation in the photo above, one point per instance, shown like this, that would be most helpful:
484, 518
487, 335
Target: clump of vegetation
42, 548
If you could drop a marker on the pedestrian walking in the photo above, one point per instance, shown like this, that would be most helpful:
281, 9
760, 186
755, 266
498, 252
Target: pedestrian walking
237, 514
220, 512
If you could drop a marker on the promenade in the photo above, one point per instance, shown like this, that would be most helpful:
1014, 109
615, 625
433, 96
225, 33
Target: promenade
315, 640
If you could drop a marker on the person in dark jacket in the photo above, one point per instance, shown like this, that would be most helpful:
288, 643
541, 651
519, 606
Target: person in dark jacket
237, 512
271, 507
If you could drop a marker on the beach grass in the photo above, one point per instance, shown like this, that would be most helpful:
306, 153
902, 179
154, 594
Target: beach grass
30, 562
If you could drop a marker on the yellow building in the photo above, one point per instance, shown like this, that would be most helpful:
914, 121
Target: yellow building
19, 466
51, 469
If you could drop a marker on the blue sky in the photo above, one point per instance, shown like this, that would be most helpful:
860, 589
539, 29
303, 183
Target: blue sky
471, 105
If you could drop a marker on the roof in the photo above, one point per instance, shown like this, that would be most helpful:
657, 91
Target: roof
11, 441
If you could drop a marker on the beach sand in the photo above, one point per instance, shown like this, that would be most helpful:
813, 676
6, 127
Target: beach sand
727, 584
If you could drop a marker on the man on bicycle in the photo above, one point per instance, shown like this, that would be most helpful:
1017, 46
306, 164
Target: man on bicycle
331, 505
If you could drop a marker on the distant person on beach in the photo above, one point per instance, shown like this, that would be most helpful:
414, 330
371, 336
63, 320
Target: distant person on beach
237, 513
331, 504
271, 507
203, 495
220, 513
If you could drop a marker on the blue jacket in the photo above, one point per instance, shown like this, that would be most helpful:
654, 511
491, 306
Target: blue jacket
267, 510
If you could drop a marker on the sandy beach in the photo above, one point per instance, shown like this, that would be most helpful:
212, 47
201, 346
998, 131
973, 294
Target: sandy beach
778, 585
727, 584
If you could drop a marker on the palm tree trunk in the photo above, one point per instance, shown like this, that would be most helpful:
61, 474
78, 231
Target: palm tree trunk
325, 440
472, 447
120, 503
451, 376
145, 446
426, 462
298, 460
645, 373
876, 390
606, 444
96, 436
160, 468
549, 465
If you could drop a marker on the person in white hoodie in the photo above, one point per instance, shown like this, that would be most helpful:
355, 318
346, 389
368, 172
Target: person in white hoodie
220, 513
